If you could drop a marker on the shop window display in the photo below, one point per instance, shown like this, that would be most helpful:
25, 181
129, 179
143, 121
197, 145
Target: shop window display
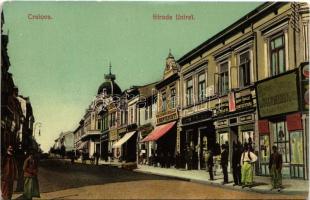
247, 137
223, 138
296, 148
297, 161
281, 140
264, 154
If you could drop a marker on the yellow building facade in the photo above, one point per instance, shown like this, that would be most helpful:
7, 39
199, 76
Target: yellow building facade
220, 78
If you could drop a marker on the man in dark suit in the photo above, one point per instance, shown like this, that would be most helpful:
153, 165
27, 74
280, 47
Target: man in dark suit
209, 163
224, 162
275, 168
236, 167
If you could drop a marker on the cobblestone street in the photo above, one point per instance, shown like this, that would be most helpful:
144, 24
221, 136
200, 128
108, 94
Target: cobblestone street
62, 180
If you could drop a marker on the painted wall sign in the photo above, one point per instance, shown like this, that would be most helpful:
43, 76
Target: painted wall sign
278, 95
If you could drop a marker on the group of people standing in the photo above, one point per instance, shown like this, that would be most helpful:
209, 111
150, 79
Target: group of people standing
10, 173
243, 160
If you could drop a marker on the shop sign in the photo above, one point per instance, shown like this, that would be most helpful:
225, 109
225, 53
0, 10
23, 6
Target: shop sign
113, 135
221, 123
245, 118
232, 103
167, 117
305, 86
244, 102
222, 107
278, 95
197, 117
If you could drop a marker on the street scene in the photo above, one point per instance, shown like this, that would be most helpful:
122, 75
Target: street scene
80, 181
146, 100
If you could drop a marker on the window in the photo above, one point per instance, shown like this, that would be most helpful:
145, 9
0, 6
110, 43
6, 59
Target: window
122, 117
223, 78
172, 100
277, 55
113, 119
201, 87
146, 114
247, 137
126, 116
223, 138
189, 92
281, 140
297, 155
136, 115
164, 102
296, 147
244, 69
99, 124
131, 115
150, 112
264, 154
105, 121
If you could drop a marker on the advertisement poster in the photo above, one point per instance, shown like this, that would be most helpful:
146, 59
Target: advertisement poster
154, 99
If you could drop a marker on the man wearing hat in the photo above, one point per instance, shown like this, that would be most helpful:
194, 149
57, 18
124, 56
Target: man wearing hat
224, 162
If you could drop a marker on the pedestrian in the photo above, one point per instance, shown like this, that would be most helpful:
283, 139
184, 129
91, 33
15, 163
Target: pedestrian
189, 157
209, 163
246, 162
224, 162
160, 158
31, 184
168, 159
96, 156
236, 167
9, 173
20, 158
275, 168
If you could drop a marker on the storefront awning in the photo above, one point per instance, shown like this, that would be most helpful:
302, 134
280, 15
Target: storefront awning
124, 139
82, 145
158, 132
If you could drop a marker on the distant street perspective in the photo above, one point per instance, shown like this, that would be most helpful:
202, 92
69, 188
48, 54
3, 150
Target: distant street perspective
59, 179
147, 100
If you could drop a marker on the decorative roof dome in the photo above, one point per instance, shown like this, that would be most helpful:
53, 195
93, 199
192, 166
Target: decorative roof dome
109, 86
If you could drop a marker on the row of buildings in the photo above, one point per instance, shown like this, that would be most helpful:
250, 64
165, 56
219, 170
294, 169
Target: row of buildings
17, 119
248, 83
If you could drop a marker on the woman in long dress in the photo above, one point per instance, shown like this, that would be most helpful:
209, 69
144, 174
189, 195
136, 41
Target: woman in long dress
31, 184
247, 160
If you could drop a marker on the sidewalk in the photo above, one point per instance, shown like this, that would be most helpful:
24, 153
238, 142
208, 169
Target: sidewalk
261, 184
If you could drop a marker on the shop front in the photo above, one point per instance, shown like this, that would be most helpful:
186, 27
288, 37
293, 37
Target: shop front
145, 150
93, 140
197, 133
104, 145
127, 147
235, 121
281, 124
163, 139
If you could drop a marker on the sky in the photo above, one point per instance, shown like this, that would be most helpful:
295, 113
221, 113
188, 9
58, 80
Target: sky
60, 63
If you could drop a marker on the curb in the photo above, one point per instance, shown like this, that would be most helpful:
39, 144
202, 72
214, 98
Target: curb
253, 189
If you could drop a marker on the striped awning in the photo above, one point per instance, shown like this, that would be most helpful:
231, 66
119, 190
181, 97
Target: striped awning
124, 139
